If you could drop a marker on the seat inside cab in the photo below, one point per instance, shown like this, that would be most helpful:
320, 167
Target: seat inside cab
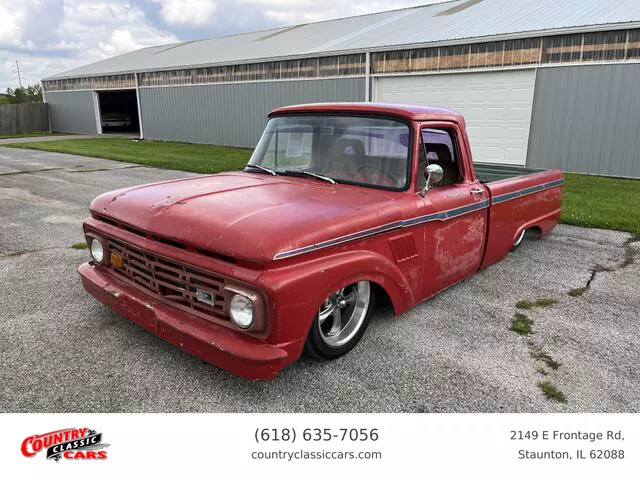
371, 158
438, 148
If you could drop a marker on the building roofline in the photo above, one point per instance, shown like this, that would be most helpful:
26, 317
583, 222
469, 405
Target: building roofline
602, 27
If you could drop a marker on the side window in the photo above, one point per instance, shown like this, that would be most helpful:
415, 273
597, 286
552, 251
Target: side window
440, 150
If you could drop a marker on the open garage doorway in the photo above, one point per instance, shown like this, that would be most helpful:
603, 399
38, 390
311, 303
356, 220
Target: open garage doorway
119, 112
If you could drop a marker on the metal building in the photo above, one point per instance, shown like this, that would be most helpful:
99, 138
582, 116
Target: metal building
542, 83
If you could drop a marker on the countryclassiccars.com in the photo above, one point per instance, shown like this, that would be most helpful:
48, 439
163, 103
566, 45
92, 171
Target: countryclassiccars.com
340, 205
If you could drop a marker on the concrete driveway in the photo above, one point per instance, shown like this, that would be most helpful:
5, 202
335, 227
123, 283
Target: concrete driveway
61, 351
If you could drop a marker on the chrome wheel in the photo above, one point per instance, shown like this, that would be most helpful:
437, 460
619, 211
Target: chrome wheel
342, 314
519, 239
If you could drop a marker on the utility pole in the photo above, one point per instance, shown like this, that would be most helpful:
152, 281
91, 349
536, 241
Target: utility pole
19, 72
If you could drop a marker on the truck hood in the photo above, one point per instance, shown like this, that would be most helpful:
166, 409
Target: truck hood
249, 216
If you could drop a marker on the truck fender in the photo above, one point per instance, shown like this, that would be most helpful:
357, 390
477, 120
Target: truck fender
544, 223
298, 290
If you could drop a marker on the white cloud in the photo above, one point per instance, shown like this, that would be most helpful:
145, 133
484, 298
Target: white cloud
12, 19
78, 32
106, 29
187, 12
121, 41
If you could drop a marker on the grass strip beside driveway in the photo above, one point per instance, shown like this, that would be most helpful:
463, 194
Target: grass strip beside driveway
601, 202
189, 157
589, 201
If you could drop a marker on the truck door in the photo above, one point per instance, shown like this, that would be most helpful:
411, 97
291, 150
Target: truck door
455, 212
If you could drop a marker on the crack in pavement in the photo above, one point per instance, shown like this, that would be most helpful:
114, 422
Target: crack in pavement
627, 259
105, 169
20, 253
89, 170
31, 171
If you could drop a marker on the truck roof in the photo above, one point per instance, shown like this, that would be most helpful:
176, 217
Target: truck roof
411, 112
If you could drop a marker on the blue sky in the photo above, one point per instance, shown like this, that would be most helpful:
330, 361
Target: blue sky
51, 36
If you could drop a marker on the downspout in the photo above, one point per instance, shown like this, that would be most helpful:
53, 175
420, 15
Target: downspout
96, 111
367, 77
44, 100
139, 109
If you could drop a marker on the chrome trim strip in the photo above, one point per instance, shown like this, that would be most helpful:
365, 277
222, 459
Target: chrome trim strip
441, 216
526, 191
447, 214
339, 240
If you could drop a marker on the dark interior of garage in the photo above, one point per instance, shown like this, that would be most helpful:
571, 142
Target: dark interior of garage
119, 111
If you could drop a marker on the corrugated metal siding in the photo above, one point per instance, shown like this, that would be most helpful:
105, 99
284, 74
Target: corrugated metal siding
585, 119
232, 114
72, 112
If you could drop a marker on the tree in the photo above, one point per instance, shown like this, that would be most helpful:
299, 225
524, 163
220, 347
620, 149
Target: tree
30, 94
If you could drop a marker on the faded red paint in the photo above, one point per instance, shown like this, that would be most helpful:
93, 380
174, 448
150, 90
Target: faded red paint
233, 224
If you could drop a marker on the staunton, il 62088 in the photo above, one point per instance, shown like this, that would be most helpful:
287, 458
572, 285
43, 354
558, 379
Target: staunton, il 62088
340, 204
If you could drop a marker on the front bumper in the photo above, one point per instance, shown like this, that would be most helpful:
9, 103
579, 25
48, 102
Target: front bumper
233, 351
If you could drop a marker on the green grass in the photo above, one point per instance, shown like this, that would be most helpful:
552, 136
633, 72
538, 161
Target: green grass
576, 292
171, 155
525, 304
539, 354
539, 302
601, 202
552, 392
31, 134
79, 246
589, 201
521, 324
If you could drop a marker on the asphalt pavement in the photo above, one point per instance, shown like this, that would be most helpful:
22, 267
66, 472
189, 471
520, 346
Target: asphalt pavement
62, 351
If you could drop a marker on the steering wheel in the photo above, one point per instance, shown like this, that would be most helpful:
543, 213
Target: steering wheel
379, 171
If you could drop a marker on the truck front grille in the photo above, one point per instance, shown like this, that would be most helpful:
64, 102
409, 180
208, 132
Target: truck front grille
173, 281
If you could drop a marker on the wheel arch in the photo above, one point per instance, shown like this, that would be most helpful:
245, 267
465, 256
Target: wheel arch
383, 274
316, 279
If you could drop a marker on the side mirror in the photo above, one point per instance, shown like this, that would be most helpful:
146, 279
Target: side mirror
434, 175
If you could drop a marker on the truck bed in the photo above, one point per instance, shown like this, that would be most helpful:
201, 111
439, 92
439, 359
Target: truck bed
488, 172
521, 199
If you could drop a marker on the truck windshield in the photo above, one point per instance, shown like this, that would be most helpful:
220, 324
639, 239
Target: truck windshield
349, 149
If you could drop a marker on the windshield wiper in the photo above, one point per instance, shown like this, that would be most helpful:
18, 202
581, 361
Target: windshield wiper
306, 172
260, 167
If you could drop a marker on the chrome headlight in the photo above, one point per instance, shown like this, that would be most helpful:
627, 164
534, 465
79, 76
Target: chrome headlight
97, 250
241, 310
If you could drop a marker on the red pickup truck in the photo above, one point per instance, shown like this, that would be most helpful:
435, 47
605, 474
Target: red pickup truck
340, 205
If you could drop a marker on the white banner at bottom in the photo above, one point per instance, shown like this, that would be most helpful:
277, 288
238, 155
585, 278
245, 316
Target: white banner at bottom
320, 445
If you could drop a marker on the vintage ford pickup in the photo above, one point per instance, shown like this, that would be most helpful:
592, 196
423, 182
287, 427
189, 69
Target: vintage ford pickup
339, 206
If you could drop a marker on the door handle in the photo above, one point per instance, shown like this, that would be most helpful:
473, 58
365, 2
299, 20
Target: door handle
476, 191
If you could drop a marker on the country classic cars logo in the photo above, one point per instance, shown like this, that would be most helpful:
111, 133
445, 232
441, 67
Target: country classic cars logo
70, 443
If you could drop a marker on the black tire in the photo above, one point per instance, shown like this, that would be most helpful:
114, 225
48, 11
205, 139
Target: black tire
317, 346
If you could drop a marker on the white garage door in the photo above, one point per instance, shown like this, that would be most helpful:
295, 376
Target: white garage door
496, 105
